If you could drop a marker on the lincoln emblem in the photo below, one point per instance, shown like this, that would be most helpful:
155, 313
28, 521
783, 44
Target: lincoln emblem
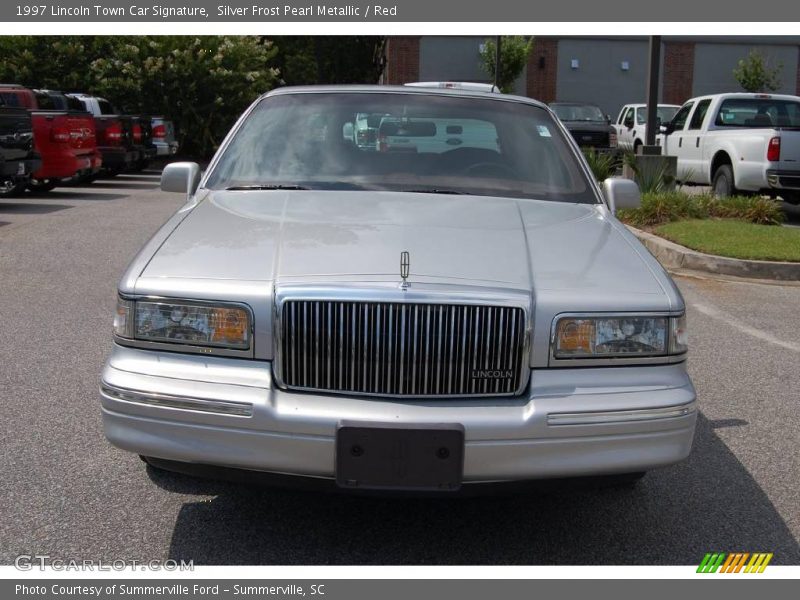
405, 264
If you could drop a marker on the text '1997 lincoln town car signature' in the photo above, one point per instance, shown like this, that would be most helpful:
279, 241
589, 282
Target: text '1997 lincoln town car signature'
401, 289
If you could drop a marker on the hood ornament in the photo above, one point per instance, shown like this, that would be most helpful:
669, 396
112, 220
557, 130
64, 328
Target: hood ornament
405, 265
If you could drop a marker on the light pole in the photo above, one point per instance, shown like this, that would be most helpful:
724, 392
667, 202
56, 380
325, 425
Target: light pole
652, 94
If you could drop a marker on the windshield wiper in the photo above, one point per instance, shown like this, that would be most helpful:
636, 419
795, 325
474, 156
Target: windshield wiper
436, 191
266, 186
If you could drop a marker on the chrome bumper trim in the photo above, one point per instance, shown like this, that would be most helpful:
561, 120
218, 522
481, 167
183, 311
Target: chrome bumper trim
620, 416
223, 407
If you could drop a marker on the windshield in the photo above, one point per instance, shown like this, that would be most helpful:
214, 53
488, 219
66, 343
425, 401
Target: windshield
578, 112
664, 114
402, 142
758, 112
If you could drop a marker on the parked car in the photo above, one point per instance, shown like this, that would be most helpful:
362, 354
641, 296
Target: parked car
163, 137
631, 124
116, 135
63, 137
18, 158
434, 135
398, 320
587, 124
457, 85
738, 143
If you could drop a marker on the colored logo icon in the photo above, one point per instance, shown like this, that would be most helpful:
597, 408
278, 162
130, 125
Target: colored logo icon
735, 562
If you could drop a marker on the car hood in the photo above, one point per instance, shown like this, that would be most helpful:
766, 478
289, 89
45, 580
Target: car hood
330, 236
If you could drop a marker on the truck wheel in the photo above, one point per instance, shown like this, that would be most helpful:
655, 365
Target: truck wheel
723, 182
791, 197
42, 186
10, 188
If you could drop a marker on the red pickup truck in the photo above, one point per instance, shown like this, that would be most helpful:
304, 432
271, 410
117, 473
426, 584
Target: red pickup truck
64, 136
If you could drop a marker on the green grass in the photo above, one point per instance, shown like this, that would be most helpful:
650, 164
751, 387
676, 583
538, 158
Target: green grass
735, 239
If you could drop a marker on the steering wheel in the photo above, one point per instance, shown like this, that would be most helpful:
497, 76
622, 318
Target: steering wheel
491, 168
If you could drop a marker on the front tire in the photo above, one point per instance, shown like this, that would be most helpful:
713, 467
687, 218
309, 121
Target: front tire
723, 185
42, 186
11, 189
791, 197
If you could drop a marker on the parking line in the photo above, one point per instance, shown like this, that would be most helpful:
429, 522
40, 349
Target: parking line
721, 315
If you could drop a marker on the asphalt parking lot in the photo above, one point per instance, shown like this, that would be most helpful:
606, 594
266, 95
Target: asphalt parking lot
67, 493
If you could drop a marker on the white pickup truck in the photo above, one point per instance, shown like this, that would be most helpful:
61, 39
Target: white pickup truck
631, 123
738, 143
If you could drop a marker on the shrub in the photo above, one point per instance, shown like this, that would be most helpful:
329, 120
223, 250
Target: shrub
664, 207
650, 179
602, 164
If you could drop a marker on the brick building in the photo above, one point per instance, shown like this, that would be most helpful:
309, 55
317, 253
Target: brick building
608, 71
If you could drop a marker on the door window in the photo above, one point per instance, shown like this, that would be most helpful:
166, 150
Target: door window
680, 117
699, 114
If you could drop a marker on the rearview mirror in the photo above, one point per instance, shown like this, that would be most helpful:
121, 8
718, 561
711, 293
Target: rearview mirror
180, 177
621, 193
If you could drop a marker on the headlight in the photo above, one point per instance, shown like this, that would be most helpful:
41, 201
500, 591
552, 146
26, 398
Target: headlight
179, 322
619, 337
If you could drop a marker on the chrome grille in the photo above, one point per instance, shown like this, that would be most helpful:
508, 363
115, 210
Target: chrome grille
402, 349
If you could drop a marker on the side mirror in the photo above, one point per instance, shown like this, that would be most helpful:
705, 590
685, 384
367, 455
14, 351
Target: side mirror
180, 177
628, 123
667, 129
621, 193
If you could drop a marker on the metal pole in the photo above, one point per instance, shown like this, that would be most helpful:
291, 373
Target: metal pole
497, 61
652, 89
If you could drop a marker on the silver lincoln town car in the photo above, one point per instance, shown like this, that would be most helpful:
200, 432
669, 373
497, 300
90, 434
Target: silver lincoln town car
398, 288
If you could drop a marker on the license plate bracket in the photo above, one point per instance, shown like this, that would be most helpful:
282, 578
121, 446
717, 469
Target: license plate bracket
400, 456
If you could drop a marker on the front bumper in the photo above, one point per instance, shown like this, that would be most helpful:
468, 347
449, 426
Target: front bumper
178, 407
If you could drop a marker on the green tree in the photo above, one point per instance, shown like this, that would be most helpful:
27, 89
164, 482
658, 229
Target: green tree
514, 52
202, 83
755, 75
319, 59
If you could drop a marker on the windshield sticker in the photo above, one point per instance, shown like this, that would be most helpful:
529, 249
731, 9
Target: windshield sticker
543, 130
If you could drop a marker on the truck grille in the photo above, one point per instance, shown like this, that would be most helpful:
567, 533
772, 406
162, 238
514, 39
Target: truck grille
596, 139
402, 349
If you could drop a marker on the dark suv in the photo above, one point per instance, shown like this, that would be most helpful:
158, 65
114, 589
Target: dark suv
587, 124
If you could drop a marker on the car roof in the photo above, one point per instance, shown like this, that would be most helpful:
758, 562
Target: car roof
400, 89
746, 95
659, 105
573, 104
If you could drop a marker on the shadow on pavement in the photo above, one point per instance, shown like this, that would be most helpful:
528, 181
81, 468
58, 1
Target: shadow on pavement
126, 185
673, 517
30, 208
80, 194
